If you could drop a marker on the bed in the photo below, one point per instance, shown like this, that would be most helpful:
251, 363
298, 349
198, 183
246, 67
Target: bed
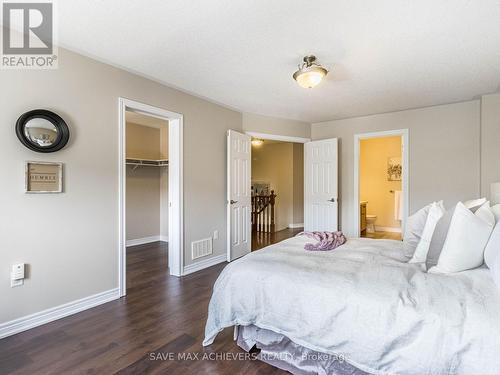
362, 304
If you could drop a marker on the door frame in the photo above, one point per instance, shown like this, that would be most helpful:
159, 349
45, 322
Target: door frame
404, 134
175, 188
274, 137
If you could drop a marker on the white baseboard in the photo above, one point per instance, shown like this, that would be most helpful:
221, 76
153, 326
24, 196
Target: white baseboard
144, 240
46, 316
202, 264
296, 225
387, 229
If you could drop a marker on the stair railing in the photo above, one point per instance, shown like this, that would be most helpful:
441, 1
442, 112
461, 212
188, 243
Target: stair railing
263, 211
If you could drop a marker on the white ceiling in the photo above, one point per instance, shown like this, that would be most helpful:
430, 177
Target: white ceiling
384, 55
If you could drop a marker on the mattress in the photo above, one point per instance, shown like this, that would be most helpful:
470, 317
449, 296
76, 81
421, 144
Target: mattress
364, 302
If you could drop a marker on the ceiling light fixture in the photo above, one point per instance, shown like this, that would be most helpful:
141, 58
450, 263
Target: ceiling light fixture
257, 142
310, 73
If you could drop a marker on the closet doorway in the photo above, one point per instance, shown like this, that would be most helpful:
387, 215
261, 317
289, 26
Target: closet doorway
150, 191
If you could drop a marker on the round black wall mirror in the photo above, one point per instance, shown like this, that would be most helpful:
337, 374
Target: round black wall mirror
42, 131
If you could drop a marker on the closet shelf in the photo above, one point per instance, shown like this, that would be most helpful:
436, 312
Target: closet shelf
146, 162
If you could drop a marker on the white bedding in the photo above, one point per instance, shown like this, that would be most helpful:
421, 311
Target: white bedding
362, 300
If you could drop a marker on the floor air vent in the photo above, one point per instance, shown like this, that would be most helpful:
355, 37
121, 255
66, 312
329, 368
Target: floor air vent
201, 248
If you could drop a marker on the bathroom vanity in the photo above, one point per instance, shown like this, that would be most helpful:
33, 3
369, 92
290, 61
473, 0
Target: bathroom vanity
362, 217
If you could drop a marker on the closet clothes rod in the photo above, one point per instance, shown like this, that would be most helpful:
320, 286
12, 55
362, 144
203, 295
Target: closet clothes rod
146, 163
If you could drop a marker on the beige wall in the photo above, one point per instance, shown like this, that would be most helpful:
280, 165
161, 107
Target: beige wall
373, 184
145, 188
444, 153
143, 142
275, 126
143, 202
490, 142
274, 163
80, 258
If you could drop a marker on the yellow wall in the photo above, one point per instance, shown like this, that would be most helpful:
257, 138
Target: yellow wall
374, 186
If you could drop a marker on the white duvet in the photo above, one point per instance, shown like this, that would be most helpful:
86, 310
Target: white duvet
364, 301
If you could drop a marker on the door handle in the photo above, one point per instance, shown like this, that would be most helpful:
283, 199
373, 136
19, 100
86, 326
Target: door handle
233, 202
331, 200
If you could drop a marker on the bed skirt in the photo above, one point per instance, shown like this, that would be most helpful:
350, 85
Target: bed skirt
279, 351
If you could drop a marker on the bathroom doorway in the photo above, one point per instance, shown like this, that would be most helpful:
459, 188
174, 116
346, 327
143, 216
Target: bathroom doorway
381, 184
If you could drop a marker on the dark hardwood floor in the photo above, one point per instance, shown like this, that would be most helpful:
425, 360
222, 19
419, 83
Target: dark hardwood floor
160, 314
262, 239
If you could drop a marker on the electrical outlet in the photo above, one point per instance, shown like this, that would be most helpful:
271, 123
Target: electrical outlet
216, 235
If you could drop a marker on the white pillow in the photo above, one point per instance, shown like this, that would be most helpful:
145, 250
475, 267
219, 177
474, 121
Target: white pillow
441, 231
496, 211
436, 211
492, 250
474, 204
413, 231
467, 237
495, 271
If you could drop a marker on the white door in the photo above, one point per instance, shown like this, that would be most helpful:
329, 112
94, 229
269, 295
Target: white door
238, 195
321, 185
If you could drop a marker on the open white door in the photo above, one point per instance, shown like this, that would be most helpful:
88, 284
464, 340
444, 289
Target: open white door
321, 185
239, 198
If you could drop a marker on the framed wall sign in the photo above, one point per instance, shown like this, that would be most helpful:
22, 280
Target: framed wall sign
43, 177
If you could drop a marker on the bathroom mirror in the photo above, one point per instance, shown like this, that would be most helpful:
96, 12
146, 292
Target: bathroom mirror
42, 131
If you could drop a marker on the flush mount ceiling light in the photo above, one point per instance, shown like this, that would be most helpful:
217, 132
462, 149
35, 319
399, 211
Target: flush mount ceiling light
310, 73
257, 142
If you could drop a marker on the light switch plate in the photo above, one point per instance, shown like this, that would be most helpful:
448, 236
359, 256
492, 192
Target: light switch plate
14, 283
17, 271
17, 275
216, 234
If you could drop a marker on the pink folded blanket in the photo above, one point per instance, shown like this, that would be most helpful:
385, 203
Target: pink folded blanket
325, 240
